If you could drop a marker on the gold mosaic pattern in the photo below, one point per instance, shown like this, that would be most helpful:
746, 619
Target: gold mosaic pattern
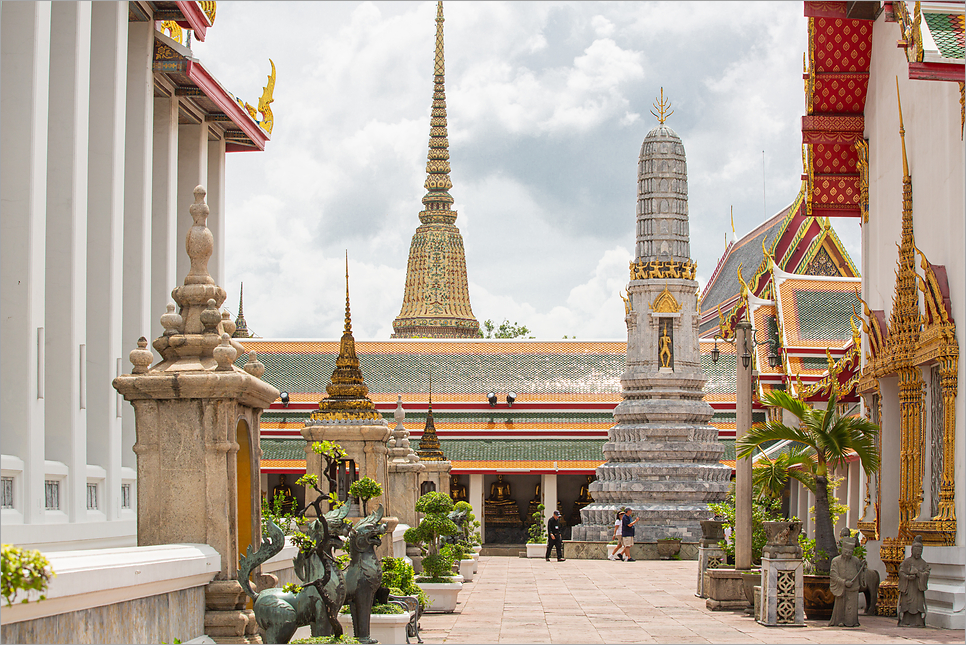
436, 301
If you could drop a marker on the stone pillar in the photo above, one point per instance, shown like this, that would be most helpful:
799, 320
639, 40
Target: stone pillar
548, 484
66, 253
782, 596
24, 72
743, 492
476, 501
710, 554
404, 469
138, 157
197, 421
105, 226
164, 204
192, 171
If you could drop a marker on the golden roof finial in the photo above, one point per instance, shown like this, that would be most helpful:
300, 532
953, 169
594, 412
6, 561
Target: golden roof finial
733, 223
429, 447
437, 200
662, 109
902, 134
266, 99
348, 319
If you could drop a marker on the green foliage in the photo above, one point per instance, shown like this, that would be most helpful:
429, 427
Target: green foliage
327, 639
275, 511
505, 330
399, 576
763, 509
827, 435
428, 535
303, 541
291, 588
456, 551
537, 533
328, 449
470, 534
24, 570
365, 489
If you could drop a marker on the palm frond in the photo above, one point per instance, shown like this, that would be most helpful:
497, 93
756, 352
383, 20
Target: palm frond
785, 401
770, 431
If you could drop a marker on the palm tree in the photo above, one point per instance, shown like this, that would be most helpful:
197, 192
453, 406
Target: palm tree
828, 438
769, 476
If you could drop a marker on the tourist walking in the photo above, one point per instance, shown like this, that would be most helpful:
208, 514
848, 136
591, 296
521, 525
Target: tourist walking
618, 552
554, 537
627, 533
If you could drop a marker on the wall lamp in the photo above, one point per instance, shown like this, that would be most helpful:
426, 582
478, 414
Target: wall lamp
284, 397
491, 397
510, 398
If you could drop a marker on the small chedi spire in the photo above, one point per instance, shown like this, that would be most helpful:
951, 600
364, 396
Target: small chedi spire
348, 393
436, 302
241, 327
429, 447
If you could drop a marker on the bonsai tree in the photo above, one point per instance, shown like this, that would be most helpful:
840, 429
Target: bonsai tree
764, 508
428, 535
538, 534
828, 439
365, 489
24, 570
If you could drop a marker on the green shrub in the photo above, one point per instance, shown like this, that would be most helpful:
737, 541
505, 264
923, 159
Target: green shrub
538, 535
399, 576
364, 490
763, 509
435, 507
24, 570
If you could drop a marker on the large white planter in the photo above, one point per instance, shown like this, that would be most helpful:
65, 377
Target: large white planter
385, 628
442, 594
536, 550
611, 548
467, 570
476, 562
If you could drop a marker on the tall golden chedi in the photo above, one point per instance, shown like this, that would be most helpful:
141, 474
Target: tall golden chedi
436, 303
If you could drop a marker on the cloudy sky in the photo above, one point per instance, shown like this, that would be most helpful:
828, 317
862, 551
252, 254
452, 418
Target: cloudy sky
548, 103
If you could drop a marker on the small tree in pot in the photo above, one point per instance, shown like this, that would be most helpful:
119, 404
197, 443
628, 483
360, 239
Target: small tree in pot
437, 563
365, 489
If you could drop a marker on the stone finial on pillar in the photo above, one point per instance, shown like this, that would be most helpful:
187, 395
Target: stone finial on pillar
141, 357
199, 243
224, 354
171, 321
253, 366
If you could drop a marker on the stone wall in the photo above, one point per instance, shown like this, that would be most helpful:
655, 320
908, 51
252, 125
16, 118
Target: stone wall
154, 619
584, 550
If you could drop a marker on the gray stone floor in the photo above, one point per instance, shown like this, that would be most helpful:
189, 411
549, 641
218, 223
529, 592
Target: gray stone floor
515, 600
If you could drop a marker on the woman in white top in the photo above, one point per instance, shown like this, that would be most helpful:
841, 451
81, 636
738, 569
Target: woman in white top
617, 554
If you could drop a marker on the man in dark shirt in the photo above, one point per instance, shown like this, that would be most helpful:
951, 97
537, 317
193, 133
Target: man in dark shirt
554, 536
627, 532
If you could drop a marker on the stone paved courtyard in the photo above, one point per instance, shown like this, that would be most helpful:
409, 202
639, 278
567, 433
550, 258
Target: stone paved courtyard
515, 600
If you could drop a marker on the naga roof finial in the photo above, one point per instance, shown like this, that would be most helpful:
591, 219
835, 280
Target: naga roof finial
662, 109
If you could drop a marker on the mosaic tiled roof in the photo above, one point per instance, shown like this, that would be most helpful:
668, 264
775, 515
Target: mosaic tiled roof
817, 312
948, 32
459, 367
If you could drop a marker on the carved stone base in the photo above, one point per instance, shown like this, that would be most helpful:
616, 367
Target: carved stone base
709, 557
782, 593
226, 619
725, 590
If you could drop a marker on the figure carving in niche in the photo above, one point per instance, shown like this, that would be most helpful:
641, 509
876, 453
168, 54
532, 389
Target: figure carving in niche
284, 491
427, 487
665, 249
457, 490
664, 205
913, 580
665, 345
664, 228
500, 509
499, 490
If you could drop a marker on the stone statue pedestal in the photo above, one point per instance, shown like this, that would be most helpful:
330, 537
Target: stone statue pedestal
709, 557
782, 581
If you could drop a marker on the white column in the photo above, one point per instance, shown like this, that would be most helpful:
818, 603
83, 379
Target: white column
66, 259
476, 501
105, 236
138, 157
548, 484
24, 69
854, 496
164, 207
192, 172
216, 206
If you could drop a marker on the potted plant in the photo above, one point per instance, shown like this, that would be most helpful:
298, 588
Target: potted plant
25, 571
825, 439
668, 547
387, 622
537, 544
437, 578
470, 533
462, 560
365, 489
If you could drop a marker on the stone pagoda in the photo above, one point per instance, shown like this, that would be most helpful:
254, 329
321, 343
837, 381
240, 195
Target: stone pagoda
663, 457
348, 417
436, 303
430, 453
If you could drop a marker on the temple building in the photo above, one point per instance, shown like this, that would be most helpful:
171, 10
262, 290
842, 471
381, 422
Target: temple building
436, 302
117, 122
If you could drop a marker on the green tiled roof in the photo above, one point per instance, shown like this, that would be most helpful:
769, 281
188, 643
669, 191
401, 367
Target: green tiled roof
947, 31
721, 375
825, 315
454, 373
729, 448
283, 448
523, 450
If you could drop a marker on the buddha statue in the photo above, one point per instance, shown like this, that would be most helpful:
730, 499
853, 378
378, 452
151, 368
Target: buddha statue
457, 490
583, 499
500, 509
535, 503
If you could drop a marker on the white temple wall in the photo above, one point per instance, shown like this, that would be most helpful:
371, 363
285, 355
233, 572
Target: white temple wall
89, 247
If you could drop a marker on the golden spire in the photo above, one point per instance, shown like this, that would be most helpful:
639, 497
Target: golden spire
662, 109
429, 448
902, 136
347, 390
437, 200
241, 327
436, 302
